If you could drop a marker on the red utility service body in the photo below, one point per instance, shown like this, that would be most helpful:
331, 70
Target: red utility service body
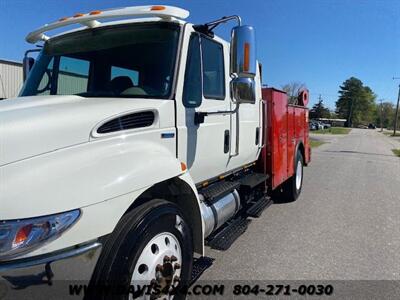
285, 131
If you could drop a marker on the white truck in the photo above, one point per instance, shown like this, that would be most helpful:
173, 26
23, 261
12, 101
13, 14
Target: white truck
139, 137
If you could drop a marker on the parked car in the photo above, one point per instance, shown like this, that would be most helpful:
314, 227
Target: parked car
320, 126
313, 126
326, 125
371, 126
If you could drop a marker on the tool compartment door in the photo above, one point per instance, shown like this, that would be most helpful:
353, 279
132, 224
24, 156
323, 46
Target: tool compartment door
278, 135
291, 141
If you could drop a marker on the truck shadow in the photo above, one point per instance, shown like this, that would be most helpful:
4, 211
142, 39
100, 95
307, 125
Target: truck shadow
278, 196
281, 200
358, 152
23, 282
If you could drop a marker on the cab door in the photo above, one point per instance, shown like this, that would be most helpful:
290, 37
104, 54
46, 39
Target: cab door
204, 141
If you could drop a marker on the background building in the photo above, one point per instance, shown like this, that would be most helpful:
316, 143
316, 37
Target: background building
11, 78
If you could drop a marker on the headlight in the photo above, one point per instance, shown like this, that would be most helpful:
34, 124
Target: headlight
20, 236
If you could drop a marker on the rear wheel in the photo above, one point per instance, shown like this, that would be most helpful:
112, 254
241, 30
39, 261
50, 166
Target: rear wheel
148, 256
291, 189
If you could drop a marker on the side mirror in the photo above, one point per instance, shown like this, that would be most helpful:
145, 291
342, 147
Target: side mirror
243, 52
243, 90
27, 66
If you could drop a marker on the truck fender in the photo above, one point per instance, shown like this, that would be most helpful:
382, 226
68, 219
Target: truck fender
299, 147
182, 191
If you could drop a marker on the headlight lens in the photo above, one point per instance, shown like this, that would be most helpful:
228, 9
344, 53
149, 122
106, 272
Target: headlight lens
20, 236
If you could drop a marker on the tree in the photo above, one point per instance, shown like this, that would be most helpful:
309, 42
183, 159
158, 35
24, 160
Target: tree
388, 112
319, 110
293, 89
356, 102
333, 115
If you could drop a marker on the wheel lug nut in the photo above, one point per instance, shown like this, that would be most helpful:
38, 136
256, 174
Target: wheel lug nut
173, 258
177, 266
166, 259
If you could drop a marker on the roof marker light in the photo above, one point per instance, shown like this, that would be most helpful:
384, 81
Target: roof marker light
95, 12
157, 7
63, 19
78, 15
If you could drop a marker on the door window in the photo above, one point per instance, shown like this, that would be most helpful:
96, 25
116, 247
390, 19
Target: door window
213, 69
205, 72
192, 94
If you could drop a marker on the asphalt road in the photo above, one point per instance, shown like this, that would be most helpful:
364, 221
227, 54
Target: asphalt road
344, 226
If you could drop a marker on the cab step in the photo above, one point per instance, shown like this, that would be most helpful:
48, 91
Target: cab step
251, 180
217, 190
225, 237
256, 208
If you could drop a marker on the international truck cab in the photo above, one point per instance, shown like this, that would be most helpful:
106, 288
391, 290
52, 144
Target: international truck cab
146, 138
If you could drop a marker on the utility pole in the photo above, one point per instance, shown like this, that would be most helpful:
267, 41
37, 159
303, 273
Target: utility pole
397, 109
381, 115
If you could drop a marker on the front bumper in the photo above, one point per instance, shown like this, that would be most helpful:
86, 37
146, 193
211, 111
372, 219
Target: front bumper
48, 258
29, 278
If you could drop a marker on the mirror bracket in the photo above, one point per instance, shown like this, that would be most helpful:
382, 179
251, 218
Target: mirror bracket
28, 62
208, 28
199, 117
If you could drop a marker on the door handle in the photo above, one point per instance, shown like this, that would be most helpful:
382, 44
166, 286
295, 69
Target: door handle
257, 135
227, 141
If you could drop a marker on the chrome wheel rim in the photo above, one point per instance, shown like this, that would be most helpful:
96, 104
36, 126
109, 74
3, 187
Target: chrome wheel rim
299, 175
159, 265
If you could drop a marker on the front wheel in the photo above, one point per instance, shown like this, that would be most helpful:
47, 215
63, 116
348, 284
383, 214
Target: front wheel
148, 256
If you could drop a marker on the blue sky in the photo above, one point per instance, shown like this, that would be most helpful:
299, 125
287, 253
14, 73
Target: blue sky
318, 42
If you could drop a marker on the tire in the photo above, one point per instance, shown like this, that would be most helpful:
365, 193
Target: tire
291, 189
136, 252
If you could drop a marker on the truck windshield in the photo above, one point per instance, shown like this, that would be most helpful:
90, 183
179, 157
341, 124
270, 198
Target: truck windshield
135, 61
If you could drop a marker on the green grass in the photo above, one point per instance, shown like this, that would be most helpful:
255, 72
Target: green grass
396, 152
333, 130
315, 144
390, 133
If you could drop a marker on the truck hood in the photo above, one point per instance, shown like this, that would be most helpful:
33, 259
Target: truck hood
31, 126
